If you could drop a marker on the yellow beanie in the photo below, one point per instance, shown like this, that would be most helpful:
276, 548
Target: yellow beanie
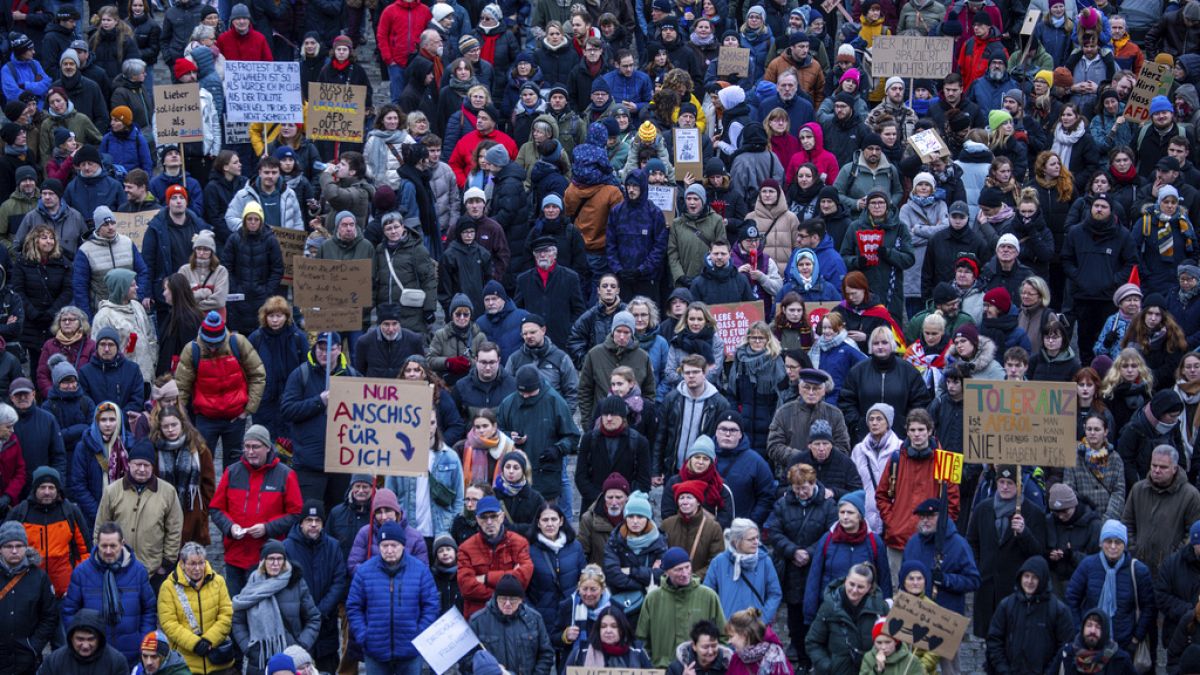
647, 132
1045, 76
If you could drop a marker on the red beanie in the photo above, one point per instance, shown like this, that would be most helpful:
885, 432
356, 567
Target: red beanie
999, 298
694, 488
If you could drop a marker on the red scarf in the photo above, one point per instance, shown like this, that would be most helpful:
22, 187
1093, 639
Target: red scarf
545, 274
339, 65
713, 484
593, 69
1125, 178
841, 536
614, 650
487, 50
615, 433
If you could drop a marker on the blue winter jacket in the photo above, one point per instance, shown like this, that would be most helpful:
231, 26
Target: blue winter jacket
118, 380
302, 407
636, 88
281, 353
39, 430
74, 412
830, 262
160, 182
131, 152
740, 594
386, 616
749, 479
834, 560
85, 193
21, 76
820, 290
837, 363
555, 576
637, 233
324, 570
1083, 594
138, 602
958, 566
85, 479
504, 327
156, 244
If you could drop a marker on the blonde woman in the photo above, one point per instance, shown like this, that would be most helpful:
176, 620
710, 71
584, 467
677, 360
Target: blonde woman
1126, 386
207, 276
578, 613
695, 333
41, 275
754, 381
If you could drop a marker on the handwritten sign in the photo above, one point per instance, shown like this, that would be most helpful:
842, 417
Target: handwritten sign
378, 426
947, 466
446, 641
177, 113
663, 196
733, 321
263, 91
133, 225
1031, 19
332, 318
688, 157
1149, 83
912, 56
928, 145
733, 61
926, 625
1019, 423
291, 244
237, 132
584, 670
331, 283
336, 112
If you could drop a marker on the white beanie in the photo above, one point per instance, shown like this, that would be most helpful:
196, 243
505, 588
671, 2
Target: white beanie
924, 177
474, 193
1009, 239
731, 96
893, 80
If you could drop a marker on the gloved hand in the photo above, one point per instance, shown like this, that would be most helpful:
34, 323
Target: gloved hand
550, 455
939, 577
202, 647
682, 282
1110, 339
458, 364
430, 318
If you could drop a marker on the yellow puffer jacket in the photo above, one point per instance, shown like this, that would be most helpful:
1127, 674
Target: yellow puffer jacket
210, 605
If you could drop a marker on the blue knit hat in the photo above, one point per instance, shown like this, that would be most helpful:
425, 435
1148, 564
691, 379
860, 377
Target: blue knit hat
1114, 529
638, 505
857, 499
914, 565
213, 331
703, 445
674, 557
280, 663
1161, 104
820, 431
391, 531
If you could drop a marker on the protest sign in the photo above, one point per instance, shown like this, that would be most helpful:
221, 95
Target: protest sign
733, 320
1149, 82
928, 145
331, 283
336, 112
177, 113
663, 196
584, 670
446, 641
133, 225
947, 466
332, 318
733, 61
817, 312
378, 426
1019, 422
237, 132
926, 625
291, 244
687, 154
1031, 19
912, 56
263, 91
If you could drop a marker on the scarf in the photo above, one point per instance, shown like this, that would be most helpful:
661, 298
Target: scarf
640, 542
508, 489
923, 202
477, 452
612, 433
768, 655
1064, 141
1185, 297
696, 343
1096, 456
878, 446
461, 87
636, 404
703, 42
1005, 508
745, 562
16, 150
1000, 216
339, 65
1092, 660
181, 469
760, 368
826, 344
840, 535
117, 461
555, 545
593, 68
66, 341
266, 624
111, 608
1164, 233
714, 498
1124, 177
1108, 593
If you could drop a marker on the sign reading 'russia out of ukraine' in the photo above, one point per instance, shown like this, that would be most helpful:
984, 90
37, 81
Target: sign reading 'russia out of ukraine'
378, 426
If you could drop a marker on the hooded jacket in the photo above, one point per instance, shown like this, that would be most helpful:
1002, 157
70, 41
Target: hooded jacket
999, 554
290, 215
637, 234
28, 613
255, 264
210, 605
1027, 629
841, 635
106, 660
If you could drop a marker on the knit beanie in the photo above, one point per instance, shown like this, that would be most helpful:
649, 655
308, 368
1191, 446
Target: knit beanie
213, 331
12, 530
613, 405
280, 663
999, 298
885, 409
857, 499
638, 505
117, 281
820, 430
497, 156
1114, 529
703, 445
647, 132
698, 190
997, 118
623, 319
674, 557
1161, 104
968, 332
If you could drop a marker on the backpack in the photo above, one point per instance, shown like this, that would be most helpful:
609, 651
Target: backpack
233, 347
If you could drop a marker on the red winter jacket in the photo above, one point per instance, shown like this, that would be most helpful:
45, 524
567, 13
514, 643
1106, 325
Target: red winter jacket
246, 496
972, 62
12, 469
475, 557
252, 46
914, 484
399, 31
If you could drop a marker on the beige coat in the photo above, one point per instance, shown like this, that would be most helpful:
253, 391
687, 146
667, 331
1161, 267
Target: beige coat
777, 226
151, 519
211, 290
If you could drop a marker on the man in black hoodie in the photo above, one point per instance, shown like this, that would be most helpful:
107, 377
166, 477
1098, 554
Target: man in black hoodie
719, 281
87, 651
1093, 650
1097, 257
1029, 625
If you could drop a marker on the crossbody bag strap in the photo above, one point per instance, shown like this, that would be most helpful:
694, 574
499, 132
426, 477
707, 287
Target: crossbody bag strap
1137, 605
187, 609
392, 270
699, 531
12, 583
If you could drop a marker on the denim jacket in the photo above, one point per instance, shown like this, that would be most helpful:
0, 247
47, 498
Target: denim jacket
445, 468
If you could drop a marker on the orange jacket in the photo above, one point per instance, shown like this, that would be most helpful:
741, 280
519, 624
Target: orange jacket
476, 558
58, 533
914, 484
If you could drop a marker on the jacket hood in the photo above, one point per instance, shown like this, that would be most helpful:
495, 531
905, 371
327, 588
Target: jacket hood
642, 179
418, 68
710, 390
1038, 565
818, 138
597, 135
684, 653
548, 119
89, 619
794, 276
1188, 93
1105, 624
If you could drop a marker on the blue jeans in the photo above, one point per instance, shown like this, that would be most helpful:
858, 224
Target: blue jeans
396, 81
409, 667
566, 498
597, 266
229, 432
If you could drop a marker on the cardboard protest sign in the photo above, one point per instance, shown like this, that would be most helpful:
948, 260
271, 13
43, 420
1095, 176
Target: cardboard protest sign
133, 225
177, 113
332, 318
947, 466
263, 91
336, 112
446, 641
1019, 422
331, 283
928, 145
237, 132
733, 61
688, 157
1031, 19
291, 244
378, 426
926, 625
733, 321
584, 670
663, 196
912, 56
1149, 83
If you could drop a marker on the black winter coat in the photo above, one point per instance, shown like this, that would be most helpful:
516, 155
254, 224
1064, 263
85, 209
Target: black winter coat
1055, 212
1097, 257
255, 265
890, 381
1135, 443
590, 329
324, 570
509, 205
1077, 538
464, 269
715, 286
377, 357
667, 438
619, 557
794, 525
1001, 556
837, 472
106, 660
627, 454
557, 64
345, 520
110, 49
28, 615
218, 193
562, 292
148, 36
1026, 631
46, 288
1177, 585
522, 509
325, 17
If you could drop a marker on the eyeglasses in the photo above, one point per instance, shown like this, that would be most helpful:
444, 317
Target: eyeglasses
463, 314
728, 430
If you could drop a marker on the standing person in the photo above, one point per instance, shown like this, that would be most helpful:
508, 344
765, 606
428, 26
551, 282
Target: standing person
677, 604
319, 559
185, 462
1072, 533
99, 459
148, 507
274, 609
612, 447
513, 631
788, 434
254, 261
841, 632
87, 649
607, 513
30, 614
167, 243
38, 439
196, 613
1094, 649
56, 526
489, 555
1112, 580
398, 36
41, 276
1097, 257
1029, 625
545, 431
847, 544
122, 312
104, 250
747, 561
1160, 509
258, 498
281, 346
750, 479
222, 378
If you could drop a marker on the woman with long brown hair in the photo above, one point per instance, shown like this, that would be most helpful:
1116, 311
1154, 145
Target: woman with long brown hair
182, 324
112, 41
1002, 177
1159, 339
186, 463
1055, 187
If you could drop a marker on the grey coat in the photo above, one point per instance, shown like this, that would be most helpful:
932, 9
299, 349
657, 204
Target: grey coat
520, 642
301, 619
